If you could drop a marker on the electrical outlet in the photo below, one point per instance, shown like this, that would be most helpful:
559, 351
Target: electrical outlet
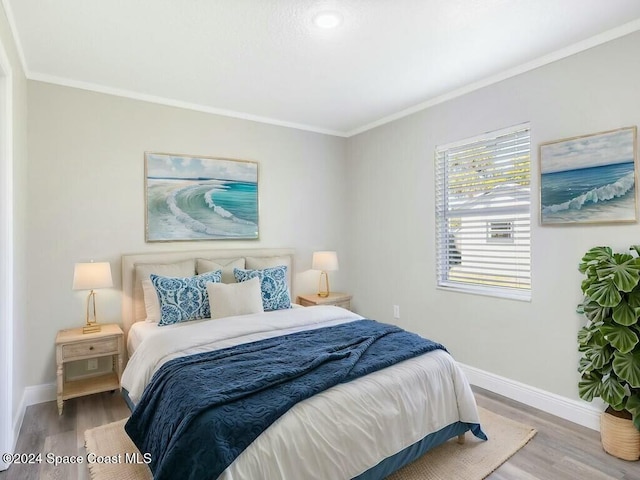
92, 364
396, 311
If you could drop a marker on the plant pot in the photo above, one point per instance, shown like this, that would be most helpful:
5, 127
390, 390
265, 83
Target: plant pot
619, 436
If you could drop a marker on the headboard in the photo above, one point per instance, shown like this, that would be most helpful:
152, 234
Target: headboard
132, 299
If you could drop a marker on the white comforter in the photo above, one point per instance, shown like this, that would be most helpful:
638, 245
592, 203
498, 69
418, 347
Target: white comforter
339, 433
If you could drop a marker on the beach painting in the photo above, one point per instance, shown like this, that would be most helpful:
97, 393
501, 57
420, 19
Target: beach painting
200, 198
589, 179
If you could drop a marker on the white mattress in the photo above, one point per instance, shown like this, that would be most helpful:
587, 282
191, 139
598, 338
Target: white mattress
339, 433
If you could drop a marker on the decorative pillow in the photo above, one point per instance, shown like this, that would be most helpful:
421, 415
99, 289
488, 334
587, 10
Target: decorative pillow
204, 265
228, 300
273, 286
184, 268
184, 298
260, 263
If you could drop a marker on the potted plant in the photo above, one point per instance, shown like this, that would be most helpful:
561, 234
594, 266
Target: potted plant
610, 345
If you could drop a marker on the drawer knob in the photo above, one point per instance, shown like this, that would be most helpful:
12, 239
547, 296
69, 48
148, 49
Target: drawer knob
91, 347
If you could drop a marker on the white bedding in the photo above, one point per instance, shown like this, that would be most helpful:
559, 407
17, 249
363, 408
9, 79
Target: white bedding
141, 330
137, 333
339, 433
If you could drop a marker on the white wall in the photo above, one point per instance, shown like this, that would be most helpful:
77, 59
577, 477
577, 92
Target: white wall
86, 189
18, 184
369, 197
392, 241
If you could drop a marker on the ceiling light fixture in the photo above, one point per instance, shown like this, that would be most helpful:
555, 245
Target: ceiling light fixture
327, 19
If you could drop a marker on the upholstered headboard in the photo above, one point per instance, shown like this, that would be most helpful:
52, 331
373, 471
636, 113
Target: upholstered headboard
132, 300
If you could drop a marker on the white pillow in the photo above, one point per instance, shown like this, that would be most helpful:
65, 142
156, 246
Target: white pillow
185, 268
151, 301
230, 299
204, 265
260, 263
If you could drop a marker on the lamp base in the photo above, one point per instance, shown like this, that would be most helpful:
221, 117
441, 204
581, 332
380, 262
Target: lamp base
91, 325
323, 290
91, 328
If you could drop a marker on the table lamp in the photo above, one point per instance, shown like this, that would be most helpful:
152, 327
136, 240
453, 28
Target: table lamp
91, 276
324, 261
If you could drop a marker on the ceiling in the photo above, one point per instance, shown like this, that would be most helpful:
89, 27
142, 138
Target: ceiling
266, 59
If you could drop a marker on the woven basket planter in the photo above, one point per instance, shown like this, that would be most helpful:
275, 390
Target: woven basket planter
620, 437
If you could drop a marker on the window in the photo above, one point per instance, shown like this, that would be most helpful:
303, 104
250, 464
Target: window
483, 215
500, 231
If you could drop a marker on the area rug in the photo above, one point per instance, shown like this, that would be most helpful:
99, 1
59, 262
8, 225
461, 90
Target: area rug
473, 460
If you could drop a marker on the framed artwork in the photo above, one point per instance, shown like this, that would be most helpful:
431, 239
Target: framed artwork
589, 179
200, 198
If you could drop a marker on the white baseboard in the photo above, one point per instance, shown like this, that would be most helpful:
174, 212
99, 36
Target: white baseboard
31, 396
576, 411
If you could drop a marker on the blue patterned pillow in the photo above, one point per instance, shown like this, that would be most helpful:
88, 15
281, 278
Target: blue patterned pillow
273, 286
184, 298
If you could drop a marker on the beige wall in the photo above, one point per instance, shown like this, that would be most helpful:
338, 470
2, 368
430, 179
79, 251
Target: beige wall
392, 241
86, 185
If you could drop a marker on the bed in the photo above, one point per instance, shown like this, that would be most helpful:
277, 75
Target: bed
365, 428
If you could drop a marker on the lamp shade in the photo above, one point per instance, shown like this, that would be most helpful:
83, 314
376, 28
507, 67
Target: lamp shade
325, 261
87, 276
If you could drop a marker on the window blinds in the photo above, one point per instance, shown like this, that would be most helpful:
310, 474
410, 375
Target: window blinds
483, 214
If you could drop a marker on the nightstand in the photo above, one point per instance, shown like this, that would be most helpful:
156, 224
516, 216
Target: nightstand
339, 299
72, 345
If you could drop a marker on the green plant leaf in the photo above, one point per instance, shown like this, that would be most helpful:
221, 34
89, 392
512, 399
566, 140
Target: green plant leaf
633, 404
627, 367
585, 365
599, 356
633, 297
604, 292
587, 282
625, 314
590, 335
619, 406
589, 386
610, 342
585, 334
596, 340
621, 338
595, 255
595, 312
623, 268
598, 337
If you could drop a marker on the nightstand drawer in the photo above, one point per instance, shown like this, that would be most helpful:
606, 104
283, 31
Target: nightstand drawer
97, 347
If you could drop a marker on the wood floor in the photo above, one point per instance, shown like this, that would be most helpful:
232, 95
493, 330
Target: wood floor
560, 451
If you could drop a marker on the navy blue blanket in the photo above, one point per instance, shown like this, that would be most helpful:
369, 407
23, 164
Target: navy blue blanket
200, 412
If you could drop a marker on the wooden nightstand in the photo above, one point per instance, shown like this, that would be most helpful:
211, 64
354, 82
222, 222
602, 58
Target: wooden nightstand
72, 345
339, 299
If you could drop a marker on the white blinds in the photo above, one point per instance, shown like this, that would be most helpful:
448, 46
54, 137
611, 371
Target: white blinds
483, 215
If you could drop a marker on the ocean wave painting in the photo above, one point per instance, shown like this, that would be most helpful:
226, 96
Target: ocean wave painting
200, 198
589, 179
